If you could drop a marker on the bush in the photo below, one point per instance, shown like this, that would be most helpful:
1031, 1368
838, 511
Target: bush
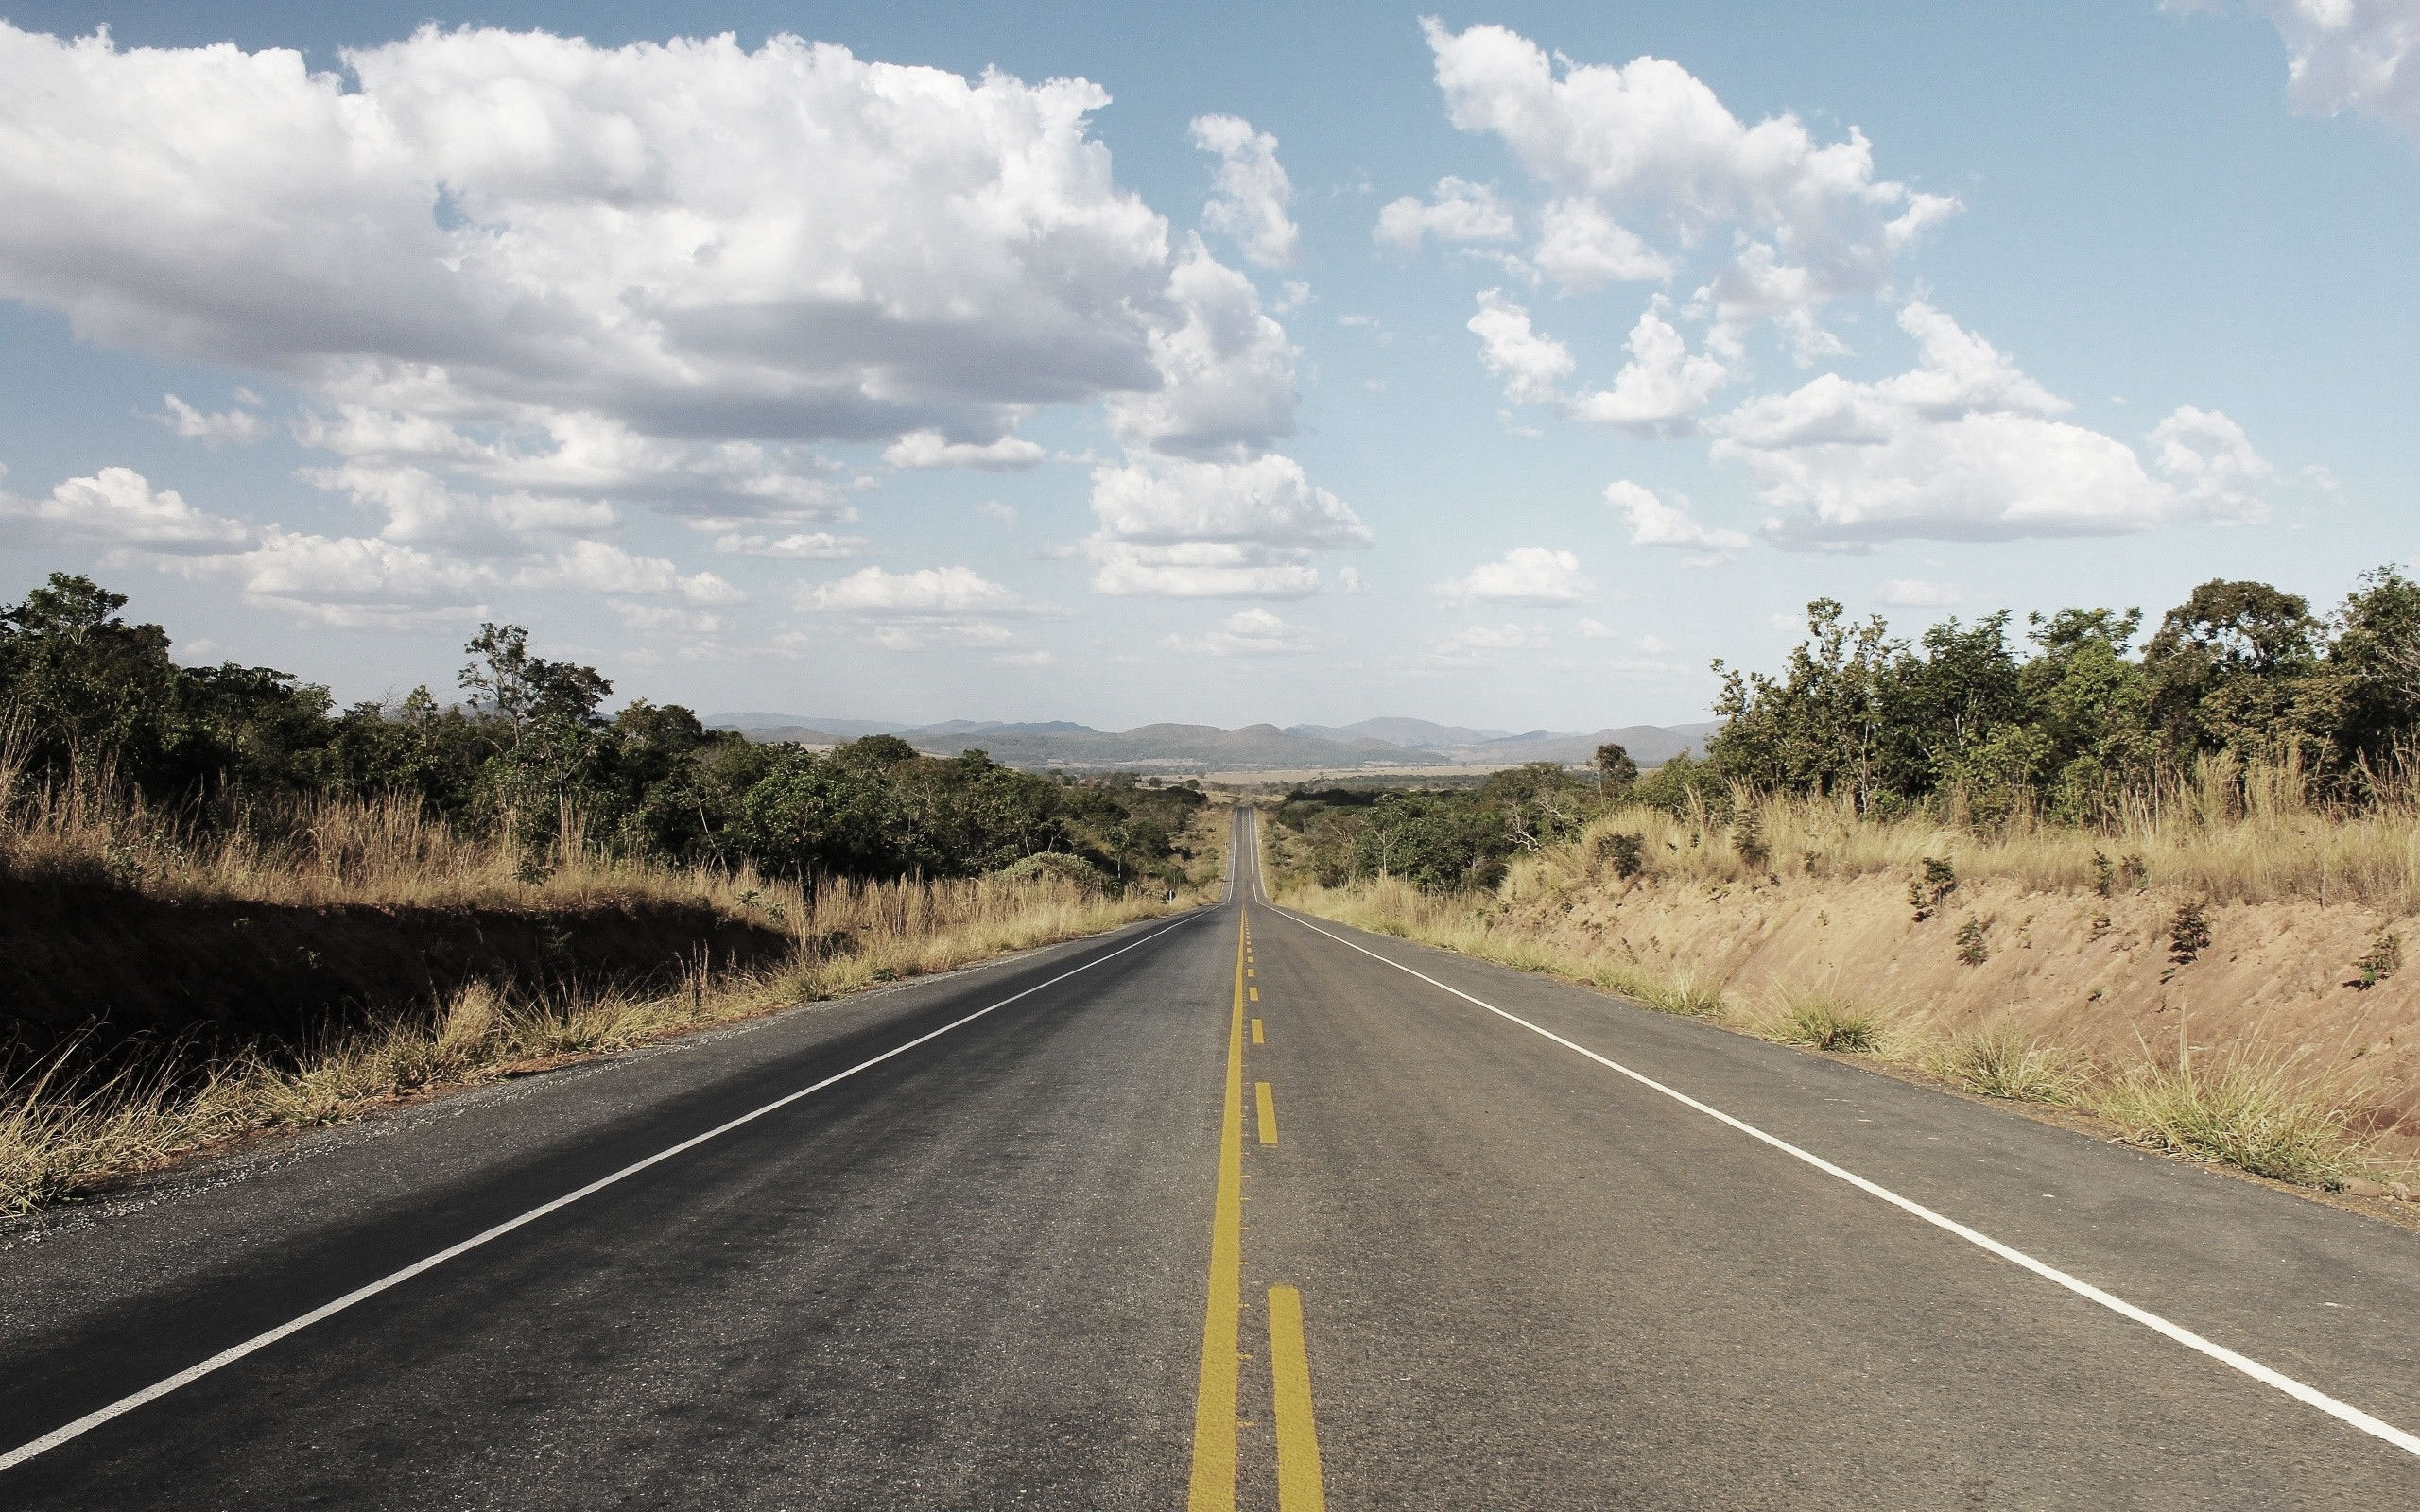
1935, 882
1971, 948
1624, 852
2188, 933
2381, 960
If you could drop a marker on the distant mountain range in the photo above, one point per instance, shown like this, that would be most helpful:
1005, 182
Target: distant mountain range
1372, 745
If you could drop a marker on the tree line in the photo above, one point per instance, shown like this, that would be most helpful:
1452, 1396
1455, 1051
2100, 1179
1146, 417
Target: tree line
2076, 722
525, 749
1967, 723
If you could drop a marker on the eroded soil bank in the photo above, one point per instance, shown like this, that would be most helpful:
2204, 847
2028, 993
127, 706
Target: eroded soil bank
2094, 974
112, 968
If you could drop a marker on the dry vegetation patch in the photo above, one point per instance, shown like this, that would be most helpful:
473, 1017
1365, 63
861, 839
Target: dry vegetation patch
95, 1104
2034, 963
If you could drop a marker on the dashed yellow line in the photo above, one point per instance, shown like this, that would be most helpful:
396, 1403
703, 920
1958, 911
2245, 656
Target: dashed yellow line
1256, 1032
1256, 994
1212, 1487
1267, 1112
1300, 1486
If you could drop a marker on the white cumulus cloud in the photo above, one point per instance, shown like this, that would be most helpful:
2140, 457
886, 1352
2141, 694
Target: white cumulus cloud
118, 508
238, 425
1655, 522
600, 567
2347, 54
1225, 369
1190, 529
1643, 162
1525, 574
1965, 447
930, 449
1662, 387
1253, 632
1249, 204
522, 281
1532, 365
818, 546
930, 606
1459, 211
924, 592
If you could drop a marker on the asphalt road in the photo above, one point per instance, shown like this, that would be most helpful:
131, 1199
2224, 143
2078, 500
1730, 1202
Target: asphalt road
1225, 1210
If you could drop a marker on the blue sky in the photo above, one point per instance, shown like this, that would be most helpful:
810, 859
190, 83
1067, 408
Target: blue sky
1502, 367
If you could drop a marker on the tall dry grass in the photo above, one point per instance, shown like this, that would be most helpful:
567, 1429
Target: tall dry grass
2260, 1108
57, 1137
2231, 835
60, 1132
315, 851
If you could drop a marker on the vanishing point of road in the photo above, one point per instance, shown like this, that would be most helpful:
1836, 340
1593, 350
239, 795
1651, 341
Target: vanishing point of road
1239, 1208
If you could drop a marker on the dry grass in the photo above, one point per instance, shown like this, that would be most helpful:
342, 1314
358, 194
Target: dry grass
2252, 1112
55, 1140
2231, 836
58, 1136
1393, 906
2256, 1110
1818, 1018
2002, 1061
323, 851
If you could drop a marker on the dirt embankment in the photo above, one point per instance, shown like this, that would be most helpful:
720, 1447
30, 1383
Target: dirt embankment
109, 967
2089, 973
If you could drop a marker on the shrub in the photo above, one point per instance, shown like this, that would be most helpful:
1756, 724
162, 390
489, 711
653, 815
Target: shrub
2188, 933
1748, 839
2381, 960
1624, 852
1935, 881
1971, 948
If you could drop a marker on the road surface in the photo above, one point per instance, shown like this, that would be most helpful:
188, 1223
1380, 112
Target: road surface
1232, 1209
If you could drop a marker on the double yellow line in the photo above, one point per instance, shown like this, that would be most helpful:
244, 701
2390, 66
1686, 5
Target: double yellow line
1213, 1485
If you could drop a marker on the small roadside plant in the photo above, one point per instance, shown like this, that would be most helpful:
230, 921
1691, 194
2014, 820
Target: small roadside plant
1935, 881
2188, 933
1971, 948
2104, 876
2249, 1114
2134, 872
1624, 852
1748, 839
1820, 1022
2001, 1061
2381, 960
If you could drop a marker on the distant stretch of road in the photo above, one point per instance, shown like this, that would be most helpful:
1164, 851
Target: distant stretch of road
1240, 1209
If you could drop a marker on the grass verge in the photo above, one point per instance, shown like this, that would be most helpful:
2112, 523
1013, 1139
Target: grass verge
2249, 1111
59, 1139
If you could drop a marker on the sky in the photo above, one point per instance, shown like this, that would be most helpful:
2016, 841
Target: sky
1120, 364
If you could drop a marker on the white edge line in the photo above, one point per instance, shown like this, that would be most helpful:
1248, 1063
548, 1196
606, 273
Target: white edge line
261, 1341
2308, 1396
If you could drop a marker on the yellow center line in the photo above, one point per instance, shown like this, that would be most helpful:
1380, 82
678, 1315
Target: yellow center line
1256, 1032
1256, 994
1267, 1112
1299, 1485
1213, 1485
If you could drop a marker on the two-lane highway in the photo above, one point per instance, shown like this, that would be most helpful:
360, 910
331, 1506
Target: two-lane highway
1242, 1209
